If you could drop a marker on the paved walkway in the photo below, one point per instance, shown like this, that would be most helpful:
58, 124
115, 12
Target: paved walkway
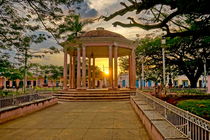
78, 121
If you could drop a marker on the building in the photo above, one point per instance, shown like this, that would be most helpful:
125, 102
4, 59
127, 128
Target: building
179, 82
31, 82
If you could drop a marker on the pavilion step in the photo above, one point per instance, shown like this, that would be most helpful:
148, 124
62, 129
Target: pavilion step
94, 92
90, 95
92, 98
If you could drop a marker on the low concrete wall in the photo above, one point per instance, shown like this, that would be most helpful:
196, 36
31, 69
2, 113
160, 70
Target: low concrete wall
158, 128
13, 112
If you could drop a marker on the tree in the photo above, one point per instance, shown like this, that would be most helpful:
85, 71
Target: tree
18, 17
183, 56
169, 15
189, 55
72, 26
52, 72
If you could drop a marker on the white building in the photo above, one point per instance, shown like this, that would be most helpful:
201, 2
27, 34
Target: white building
179, 81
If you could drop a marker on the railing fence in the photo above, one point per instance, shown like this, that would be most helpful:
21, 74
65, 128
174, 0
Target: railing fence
15, 100
195, 127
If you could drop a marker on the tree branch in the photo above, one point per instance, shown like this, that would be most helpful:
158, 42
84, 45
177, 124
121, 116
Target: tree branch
202, 32
121, 12
147, 26
39, 17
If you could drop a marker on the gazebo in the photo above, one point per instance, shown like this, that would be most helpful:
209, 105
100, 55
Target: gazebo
99, 43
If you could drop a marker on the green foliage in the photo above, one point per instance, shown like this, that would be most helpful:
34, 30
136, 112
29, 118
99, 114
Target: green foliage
187, 91
123, 63
177, 17
72, 27
184, 55
5, 65
51, 71
198, 107
20, 19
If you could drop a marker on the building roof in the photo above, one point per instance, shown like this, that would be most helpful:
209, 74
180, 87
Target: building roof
100, 32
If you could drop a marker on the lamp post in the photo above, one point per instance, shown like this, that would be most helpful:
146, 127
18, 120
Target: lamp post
163, 42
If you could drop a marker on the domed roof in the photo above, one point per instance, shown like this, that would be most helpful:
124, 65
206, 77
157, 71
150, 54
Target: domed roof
100, 32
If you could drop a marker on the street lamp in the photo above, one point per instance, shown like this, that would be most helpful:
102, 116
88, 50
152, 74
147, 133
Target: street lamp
163, 42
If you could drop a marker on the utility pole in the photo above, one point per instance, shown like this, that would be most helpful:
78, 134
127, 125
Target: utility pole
205, 74
25, 70
142, 74
163, 42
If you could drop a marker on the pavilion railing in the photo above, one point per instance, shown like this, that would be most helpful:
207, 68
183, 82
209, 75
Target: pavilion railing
195, 127
16, 100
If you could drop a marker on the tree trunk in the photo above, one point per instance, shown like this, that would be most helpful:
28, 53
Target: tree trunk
193, 82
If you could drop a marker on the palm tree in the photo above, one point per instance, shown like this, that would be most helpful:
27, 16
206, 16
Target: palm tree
73, 26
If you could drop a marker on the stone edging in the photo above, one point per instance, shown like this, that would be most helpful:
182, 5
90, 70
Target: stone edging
13, 112
157, 126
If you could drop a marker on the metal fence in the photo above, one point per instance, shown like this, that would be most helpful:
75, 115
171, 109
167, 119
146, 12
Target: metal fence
16, 100
195, 127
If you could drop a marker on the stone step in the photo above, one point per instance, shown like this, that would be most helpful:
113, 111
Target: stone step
94, 98
80, 95
95, 92
90, 95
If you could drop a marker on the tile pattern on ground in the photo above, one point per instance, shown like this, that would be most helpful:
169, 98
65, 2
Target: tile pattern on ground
78, 121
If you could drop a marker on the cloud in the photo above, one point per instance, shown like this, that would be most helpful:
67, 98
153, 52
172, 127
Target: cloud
85, 10
103, 6
92, 8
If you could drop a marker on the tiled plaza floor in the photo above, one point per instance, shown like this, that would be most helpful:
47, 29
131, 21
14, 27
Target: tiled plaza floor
78, 121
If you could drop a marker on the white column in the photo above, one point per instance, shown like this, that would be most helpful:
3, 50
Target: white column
78, 69
83, 66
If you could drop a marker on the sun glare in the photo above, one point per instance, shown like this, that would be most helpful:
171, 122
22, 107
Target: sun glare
106, 72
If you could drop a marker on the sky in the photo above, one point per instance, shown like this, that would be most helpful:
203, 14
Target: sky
92, 9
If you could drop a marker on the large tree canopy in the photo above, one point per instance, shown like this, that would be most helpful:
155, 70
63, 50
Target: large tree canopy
153, 14
183, 55
20, 17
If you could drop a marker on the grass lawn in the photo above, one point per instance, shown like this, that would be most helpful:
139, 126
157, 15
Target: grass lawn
199, 107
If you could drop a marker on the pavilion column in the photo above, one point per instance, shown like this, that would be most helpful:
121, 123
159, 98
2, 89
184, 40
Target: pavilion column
94, 75
130, 70
78, 69
89, 72
65, 71
133, 67
115, 67
110, 68
70, 71
73, 72
83, 66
